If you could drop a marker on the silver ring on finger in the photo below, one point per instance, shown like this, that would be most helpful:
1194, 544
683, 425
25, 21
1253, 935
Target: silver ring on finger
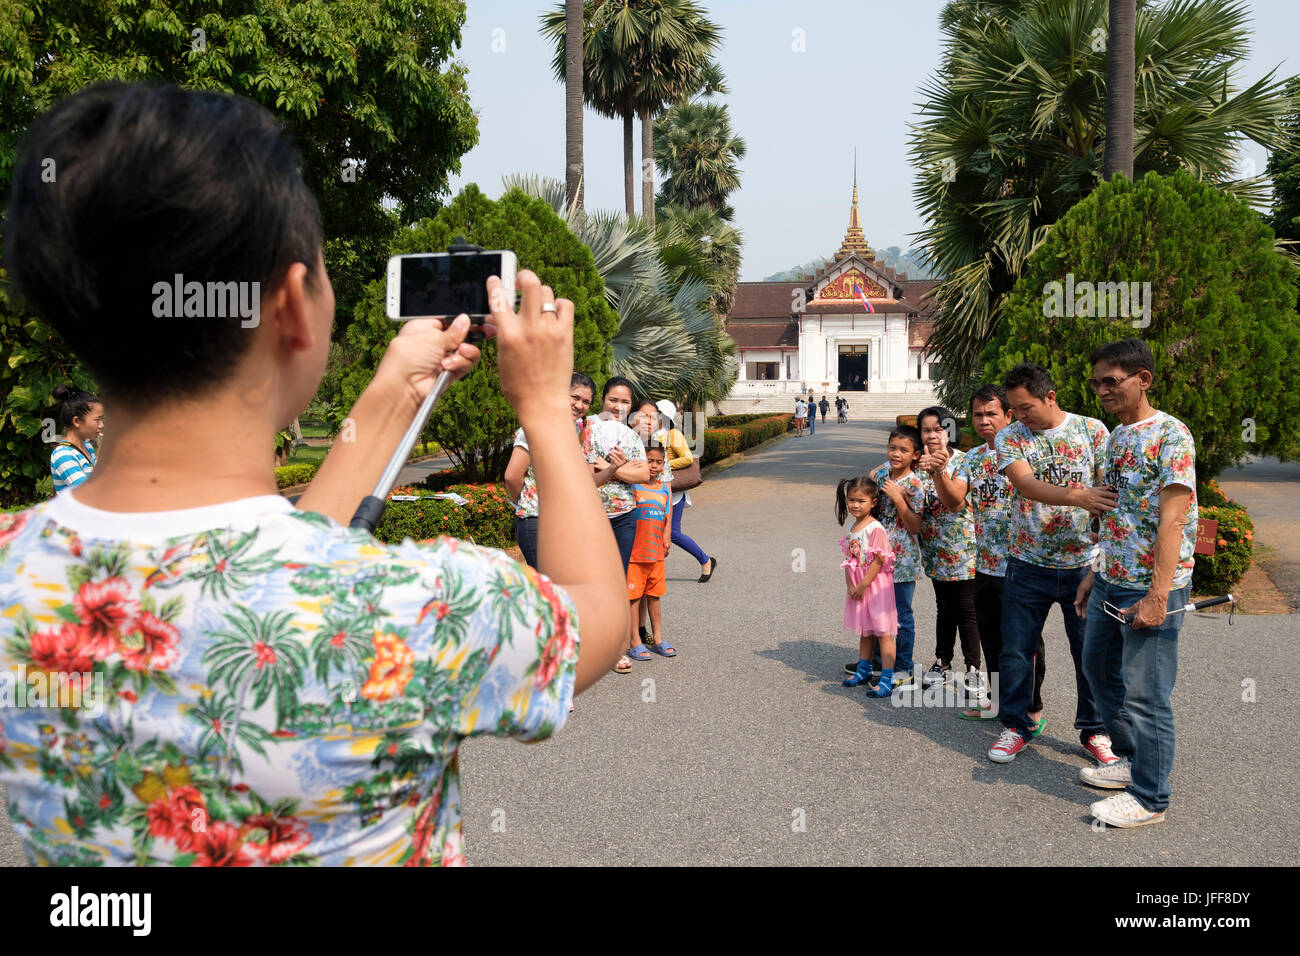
548, 307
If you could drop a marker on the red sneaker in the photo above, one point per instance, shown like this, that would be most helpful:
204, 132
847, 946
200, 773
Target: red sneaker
1008, 745
1098, 747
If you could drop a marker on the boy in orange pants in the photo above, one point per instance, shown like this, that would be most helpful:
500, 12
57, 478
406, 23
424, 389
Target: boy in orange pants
645, 571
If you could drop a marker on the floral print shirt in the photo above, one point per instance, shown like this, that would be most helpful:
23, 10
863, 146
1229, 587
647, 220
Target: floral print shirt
1068, 456
907, 552
247, 684
1141, 460
989, 494
947, 537
598, 438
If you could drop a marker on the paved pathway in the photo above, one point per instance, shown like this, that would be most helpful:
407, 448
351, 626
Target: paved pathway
746, 749
1268, 488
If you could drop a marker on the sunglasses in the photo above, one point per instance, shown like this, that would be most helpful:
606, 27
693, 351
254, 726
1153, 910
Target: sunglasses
1107, 381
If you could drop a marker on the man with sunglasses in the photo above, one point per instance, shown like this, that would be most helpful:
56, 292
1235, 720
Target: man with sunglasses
1147, 546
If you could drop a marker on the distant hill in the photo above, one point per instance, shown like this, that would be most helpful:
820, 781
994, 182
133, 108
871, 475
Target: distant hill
910, 262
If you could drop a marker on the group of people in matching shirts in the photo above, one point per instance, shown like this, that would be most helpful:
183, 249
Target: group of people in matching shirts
1051, 509
632, 449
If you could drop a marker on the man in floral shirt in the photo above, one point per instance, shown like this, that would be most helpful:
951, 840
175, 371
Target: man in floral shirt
990, 497
201, 674
1147, 547
1053, 459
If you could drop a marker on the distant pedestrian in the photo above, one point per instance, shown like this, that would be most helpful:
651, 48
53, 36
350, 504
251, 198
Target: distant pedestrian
82, 417
812, 414
825, 407
800, 416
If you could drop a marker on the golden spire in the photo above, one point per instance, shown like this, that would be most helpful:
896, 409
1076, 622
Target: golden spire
854, 240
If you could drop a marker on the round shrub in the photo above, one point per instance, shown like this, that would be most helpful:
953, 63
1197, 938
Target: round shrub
1215, 303
1219, 573
488, 519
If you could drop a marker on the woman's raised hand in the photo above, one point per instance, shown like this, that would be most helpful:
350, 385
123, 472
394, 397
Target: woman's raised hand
534, 346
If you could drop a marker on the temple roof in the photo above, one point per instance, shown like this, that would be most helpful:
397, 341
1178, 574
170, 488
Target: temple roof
854, 240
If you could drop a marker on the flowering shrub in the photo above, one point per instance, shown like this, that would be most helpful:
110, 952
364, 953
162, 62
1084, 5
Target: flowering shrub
488, 519
1219, 573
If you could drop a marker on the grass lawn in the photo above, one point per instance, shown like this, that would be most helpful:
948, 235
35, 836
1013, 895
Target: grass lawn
315, 454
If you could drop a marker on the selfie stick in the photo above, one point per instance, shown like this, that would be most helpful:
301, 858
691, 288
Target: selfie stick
372, 506
1112, 611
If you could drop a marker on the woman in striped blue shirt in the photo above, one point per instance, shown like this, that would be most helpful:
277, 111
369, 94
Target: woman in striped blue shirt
82, 417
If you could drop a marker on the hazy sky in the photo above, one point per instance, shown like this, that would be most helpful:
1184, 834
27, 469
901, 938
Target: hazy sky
801, 114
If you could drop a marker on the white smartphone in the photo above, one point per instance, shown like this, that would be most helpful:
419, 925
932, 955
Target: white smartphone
447, 284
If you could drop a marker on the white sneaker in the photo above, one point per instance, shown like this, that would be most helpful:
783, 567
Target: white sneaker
1114, 776
1122, 810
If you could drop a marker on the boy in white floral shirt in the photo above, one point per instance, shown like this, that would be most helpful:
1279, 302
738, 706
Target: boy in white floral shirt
1147, 547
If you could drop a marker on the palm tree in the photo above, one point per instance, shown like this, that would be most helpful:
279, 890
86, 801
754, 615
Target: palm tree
669, 342
1119, 88
697, 151
608, 83
697, 243
1014, 125
573, 34
638, 55
258, 655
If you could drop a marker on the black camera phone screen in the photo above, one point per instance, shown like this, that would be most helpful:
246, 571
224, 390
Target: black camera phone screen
447, 285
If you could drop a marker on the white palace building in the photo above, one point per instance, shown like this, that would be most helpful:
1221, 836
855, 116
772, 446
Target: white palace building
816, 332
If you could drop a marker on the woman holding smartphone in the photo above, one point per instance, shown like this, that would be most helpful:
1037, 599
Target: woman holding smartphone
231, 681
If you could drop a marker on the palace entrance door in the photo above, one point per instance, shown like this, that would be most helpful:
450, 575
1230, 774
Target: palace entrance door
854, 367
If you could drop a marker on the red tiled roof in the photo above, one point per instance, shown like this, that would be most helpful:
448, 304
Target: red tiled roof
765, 300
765, 335
851, 306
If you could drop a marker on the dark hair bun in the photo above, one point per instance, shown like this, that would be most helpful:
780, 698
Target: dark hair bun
61, 392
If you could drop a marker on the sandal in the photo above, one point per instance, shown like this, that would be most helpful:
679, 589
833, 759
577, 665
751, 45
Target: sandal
638, 653
624, 666
664, 648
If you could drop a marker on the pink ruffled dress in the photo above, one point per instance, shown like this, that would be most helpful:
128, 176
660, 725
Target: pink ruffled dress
874, 612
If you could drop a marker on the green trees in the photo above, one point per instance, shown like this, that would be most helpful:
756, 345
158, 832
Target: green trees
473, 422
638, 56
1284, 170
1221, 311
1013, 134
697, 152
364, 86
664, 285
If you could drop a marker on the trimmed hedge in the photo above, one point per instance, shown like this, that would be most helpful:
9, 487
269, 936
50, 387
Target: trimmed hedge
488, 519
720, 443
287, 476
731, 421
1219, 573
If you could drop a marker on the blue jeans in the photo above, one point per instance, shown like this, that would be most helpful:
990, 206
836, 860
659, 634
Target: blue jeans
526, 536
1027, 598
683, 540
1132, 673
812, 422
906, 626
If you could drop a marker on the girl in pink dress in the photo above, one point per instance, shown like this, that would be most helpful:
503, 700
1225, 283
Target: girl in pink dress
869, 609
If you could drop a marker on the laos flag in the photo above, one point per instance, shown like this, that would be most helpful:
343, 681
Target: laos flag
857, 288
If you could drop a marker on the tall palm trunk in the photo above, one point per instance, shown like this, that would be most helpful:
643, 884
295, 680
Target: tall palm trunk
647, 166
629, 165
574, 28
1120, 70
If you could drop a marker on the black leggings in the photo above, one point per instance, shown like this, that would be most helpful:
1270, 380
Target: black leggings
988, 614
956, 603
